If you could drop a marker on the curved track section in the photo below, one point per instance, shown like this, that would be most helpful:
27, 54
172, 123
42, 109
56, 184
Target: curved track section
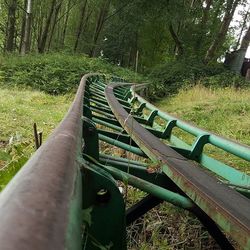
225, 206
67, 196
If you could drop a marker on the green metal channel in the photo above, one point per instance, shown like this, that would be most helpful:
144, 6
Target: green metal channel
125, 146
148, 187
120, 159
75, 216
119, 137
109, 125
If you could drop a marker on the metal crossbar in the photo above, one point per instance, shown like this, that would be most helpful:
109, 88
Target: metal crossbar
67, 195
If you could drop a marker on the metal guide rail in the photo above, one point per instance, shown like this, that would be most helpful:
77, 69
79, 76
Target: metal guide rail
66, 196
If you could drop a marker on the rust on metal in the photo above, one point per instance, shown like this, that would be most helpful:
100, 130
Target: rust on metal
35, 205
229, 209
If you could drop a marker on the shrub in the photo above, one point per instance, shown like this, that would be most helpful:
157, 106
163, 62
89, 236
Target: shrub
56, 73
173, 75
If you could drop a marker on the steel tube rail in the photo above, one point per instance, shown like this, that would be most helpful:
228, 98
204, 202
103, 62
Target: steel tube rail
229, 209
41, 207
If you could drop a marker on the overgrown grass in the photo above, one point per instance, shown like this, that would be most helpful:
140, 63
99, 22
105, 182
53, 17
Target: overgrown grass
225, 111
19, 109
56, 74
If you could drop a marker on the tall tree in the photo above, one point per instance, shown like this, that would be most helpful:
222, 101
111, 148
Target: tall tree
103, 12
11, 25
243, 26
81, 24
203, 23
178, 44
246, 40
25, 43
55, 20
221, 35
65, 25
45, 32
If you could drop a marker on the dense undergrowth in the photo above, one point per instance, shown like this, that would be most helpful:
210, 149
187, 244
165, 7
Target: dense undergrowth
57, 73
169, 78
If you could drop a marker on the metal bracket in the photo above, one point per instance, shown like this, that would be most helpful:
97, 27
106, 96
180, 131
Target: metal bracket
90, 137
103, 210
168, 130
198, 146
151, 117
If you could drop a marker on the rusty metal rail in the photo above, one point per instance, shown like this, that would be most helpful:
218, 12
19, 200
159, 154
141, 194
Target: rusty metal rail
66, 196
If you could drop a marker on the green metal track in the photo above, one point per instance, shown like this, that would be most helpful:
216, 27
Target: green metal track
67, 195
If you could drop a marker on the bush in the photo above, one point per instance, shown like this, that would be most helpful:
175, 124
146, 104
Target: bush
225, 79
170, 77
56, 73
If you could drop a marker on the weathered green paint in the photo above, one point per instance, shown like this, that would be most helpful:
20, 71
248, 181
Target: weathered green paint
148, 187
104, 208
74, 234
203, 137
90, 137
132, 149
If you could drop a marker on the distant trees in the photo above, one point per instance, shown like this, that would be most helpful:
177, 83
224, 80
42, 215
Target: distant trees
124, 32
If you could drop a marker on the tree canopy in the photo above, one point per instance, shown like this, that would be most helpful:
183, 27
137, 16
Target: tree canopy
123, 32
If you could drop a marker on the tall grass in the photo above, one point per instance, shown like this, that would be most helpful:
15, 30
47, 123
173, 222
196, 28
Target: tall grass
225, 111
19, 109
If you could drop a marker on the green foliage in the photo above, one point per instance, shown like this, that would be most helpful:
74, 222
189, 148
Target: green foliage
225, 79
173, 75
56, 73
14, 156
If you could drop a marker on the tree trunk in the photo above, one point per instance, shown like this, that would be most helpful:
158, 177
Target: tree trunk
25, 48
43, 40
179, 46
11, 26
203, 24
220, 38
242, 29
65, 23
57, 9
23, 26
81, 24
99, 25
246, 40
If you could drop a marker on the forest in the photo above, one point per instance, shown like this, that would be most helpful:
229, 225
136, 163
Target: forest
171, 42
190, 52
126, 32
